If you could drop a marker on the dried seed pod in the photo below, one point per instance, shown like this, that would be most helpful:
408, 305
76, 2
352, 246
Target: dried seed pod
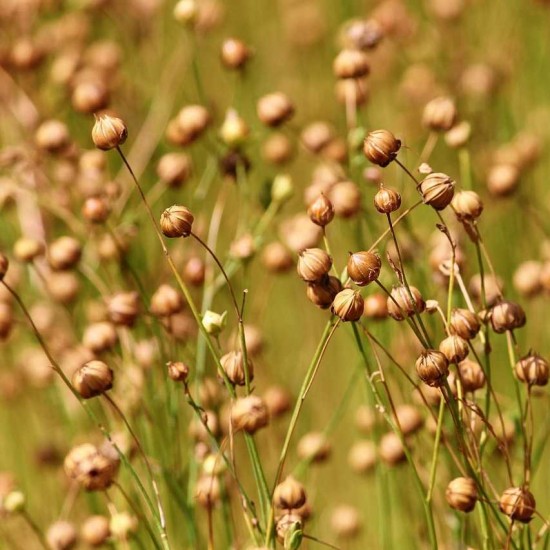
346, 198
176, 221
316, 136
387, 200
234, 130
376, 306
249, 414
177, 371
432, 367
286, 525
233, 365
350, 63
364, 267
313, 264
191, 122
95, 530
64, 253
52, 136
493, 287
352, 91
321, 211
108, 132
185, 11
174, 169
100, 337
166, 301
95, 209
61, 535
528, 278
503, 179
289, 494
91, 469
409, 418
89, 96
439, 114
92, 379
362, 34
381, 147
533, 370
362, 457
123, 308
348, 305
314, 447
322, 293
454, 348
464, 323
278, 401
391, 450
461, 494
471, 375
345, 521
27, 249
122, 526
437, 190
506, 315
277, 258
234, 53
518, 503
243, 247
194, 271
274, 109
401, 305
277, 149
467, 205
63, 286
459, 135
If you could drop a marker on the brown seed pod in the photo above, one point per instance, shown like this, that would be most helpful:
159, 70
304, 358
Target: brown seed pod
176, 221
346, 198
352, 91
274, 109
287, 522
91, 469
52, 136
464, 323
348, 305
323, 292
234, 53
518, 504
108, 132
362, 457
362, 34
351, 63
95, 210
364, 267
401, 305
467, 205
27, 249
166, 301
503, 179
64, 253
533, 370
316, 136
409, 418
391, 450
278, 401
459, 135
277, 149
190, 123
471, 375
100, 337
314, 447
89, 96
249, 414
233, 365
454, 348
461, 494
313, 264
194, 271
277, 258
95, 530
63, 286
432, 367
177, 371
123, 308
376, 306
61, 535
234, 130
321, 211
92, 379
381, 147
345, 521
506, 315
289, 494
528, 278
437, 190
387, 200
439, 114
208, 491
174, 169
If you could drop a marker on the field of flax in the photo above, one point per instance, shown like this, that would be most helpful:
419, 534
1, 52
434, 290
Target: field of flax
274, 274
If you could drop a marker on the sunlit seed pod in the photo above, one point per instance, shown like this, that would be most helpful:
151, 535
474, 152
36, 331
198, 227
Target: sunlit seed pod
467, 205
437, 190
391, 450
373, 175
461, 494
123, 526
63, 286
346, 198
348, 305
89, 97
100, 337
166, 301
90, 468
277, 149
64, 253
289, 494
52, 136
233, 365
459, 135
313, 264
185, 11
96, 210
61, 535
351, 63
314, 447
243, 247
291, 522
123, 308
321, 211
493, 286
532, 370
249, 414
518, 503
176, 221
439, 114
506, 315
27, 249
108, 131
95, 530
464, 323
177, 371
365, 419
316, 136
234, 53
199, 432
364, 267
376, 306
387, 200
409, 418
14, 502
503, 179
381, 147
432, 367
194, 271
278, 400
362, 34
362, 457
528, 278
405, 302
190, 123
277, 258
274, 109
454, 348
323, 292
345, 521
174, 169
92, 379
471, 375
352, 91
234, 130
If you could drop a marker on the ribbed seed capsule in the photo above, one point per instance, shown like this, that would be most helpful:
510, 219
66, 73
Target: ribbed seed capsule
313, 264
518, 504
176, 221
464, 323
322, 293
92, 379
351, 64
471, 375
467, 205
533, 370
432, 367
439, 114
401, 305
461, 494
321, 211
348, 305
289, 494
507, 315
108, 132
454, 348
364, 267
387, 200
249, 414
437, 190
381, 147
233, 365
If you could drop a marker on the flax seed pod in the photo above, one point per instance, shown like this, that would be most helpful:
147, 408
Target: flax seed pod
348, 305
506, 315
95, 210
350, 63
401, 305
527, 278
91, 469
471, 375
174, 169
316, 136
391, 450
376, 306
313, 264
64, 253
234, 130
249, 414
108, 132
503, 179
381, 147
277, 258
274, 109
52, 136
233, 365
314, 447
362, 34
364, 267
277, 400
362, 457
177, 371
27, 249
459, 135
277, 149
346, 198
464, 323
467, 205
63, 286
289, 494
461, 494
439, 114
352, 91
95, 530
166, 301
432, 367
454, 348
123, 308
387, 200
321, 211
191, 122
409, 418
208, 491
92, 379
61, 535
176, 221
322, 293
286, 526
234, 53
532, 370
518, 503
89, 96
437, 190
345, 521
